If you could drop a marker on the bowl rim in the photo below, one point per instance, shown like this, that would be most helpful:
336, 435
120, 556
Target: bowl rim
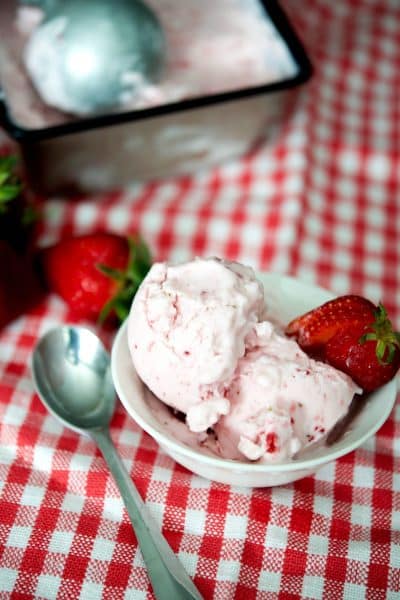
389, 391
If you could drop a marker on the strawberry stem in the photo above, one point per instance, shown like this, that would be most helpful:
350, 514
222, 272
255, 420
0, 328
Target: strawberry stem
387, 340
139, 263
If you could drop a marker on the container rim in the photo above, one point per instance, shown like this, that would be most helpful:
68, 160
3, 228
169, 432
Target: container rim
284, 28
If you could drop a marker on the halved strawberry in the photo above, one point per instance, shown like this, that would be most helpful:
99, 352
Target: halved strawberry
369, 354
96, 274
316, 327
353, 335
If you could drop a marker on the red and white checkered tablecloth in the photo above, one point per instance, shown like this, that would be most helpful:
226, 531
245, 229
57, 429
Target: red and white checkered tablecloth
321, 202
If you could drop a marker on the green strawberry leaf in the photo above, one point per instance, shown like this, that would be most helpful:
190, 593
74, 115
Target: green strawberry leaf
9, 191
7, 164
387, 340
110, 272
10, 186
380, 350
3, 177
128, 281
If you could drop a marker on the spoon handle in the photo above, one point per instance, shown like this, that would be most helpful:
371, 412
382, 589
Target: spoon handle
167, 575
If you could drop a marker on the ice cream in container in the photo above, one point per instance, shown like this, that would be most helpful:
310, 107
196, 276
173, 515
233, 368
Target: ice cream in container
232, 68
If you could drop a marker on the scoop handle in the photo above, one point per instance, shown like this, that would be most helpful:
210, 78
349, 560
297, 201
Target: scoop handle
166, 573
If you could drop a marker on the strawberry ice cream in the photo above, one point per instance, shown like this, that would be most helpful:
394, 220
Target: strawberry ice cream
280, 400
187, 330
200, 341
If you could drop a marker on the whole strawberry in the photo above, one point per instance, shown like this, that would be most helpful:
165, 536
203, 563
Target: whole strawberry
353, 335
96, 274
20, 290
17, 212
19, 287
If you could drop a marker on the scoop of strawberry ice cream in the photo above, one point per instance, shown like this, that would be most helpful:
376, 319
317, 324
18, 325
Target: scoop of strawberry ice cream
187, 329
281, 401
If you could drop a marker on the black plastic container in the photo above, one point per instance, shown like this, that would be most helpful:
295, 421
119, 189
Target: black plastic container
107, 151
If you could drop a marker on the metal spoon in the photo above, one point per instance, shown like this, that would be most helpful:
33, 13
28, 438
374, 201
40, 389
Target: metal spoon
94, 56
71, 371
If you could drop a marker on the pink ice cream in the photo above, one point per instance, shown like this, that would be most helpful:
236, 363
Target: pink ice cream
199, 340
187, 330
281, 401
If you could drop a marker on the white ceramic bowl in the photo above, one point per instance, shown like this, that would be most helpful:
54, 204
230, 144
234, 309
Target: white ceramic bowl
287, 297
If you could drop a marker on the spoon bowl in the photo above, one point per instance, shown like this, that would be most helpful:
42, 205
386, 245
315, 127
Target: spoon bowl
76, 387
71, 371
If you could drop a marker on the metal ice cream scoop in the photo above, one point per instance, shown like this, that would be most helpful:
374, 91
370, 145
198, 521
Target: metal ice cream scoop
71, 370
93, 56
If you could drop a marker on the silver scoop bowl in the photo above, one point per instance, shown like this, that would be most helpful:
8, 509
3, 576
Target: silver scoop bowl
71, 371
93, 56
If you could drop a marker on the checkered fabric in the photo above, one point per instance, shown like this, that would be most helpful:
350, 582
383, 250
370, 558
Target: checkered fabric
322, 202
